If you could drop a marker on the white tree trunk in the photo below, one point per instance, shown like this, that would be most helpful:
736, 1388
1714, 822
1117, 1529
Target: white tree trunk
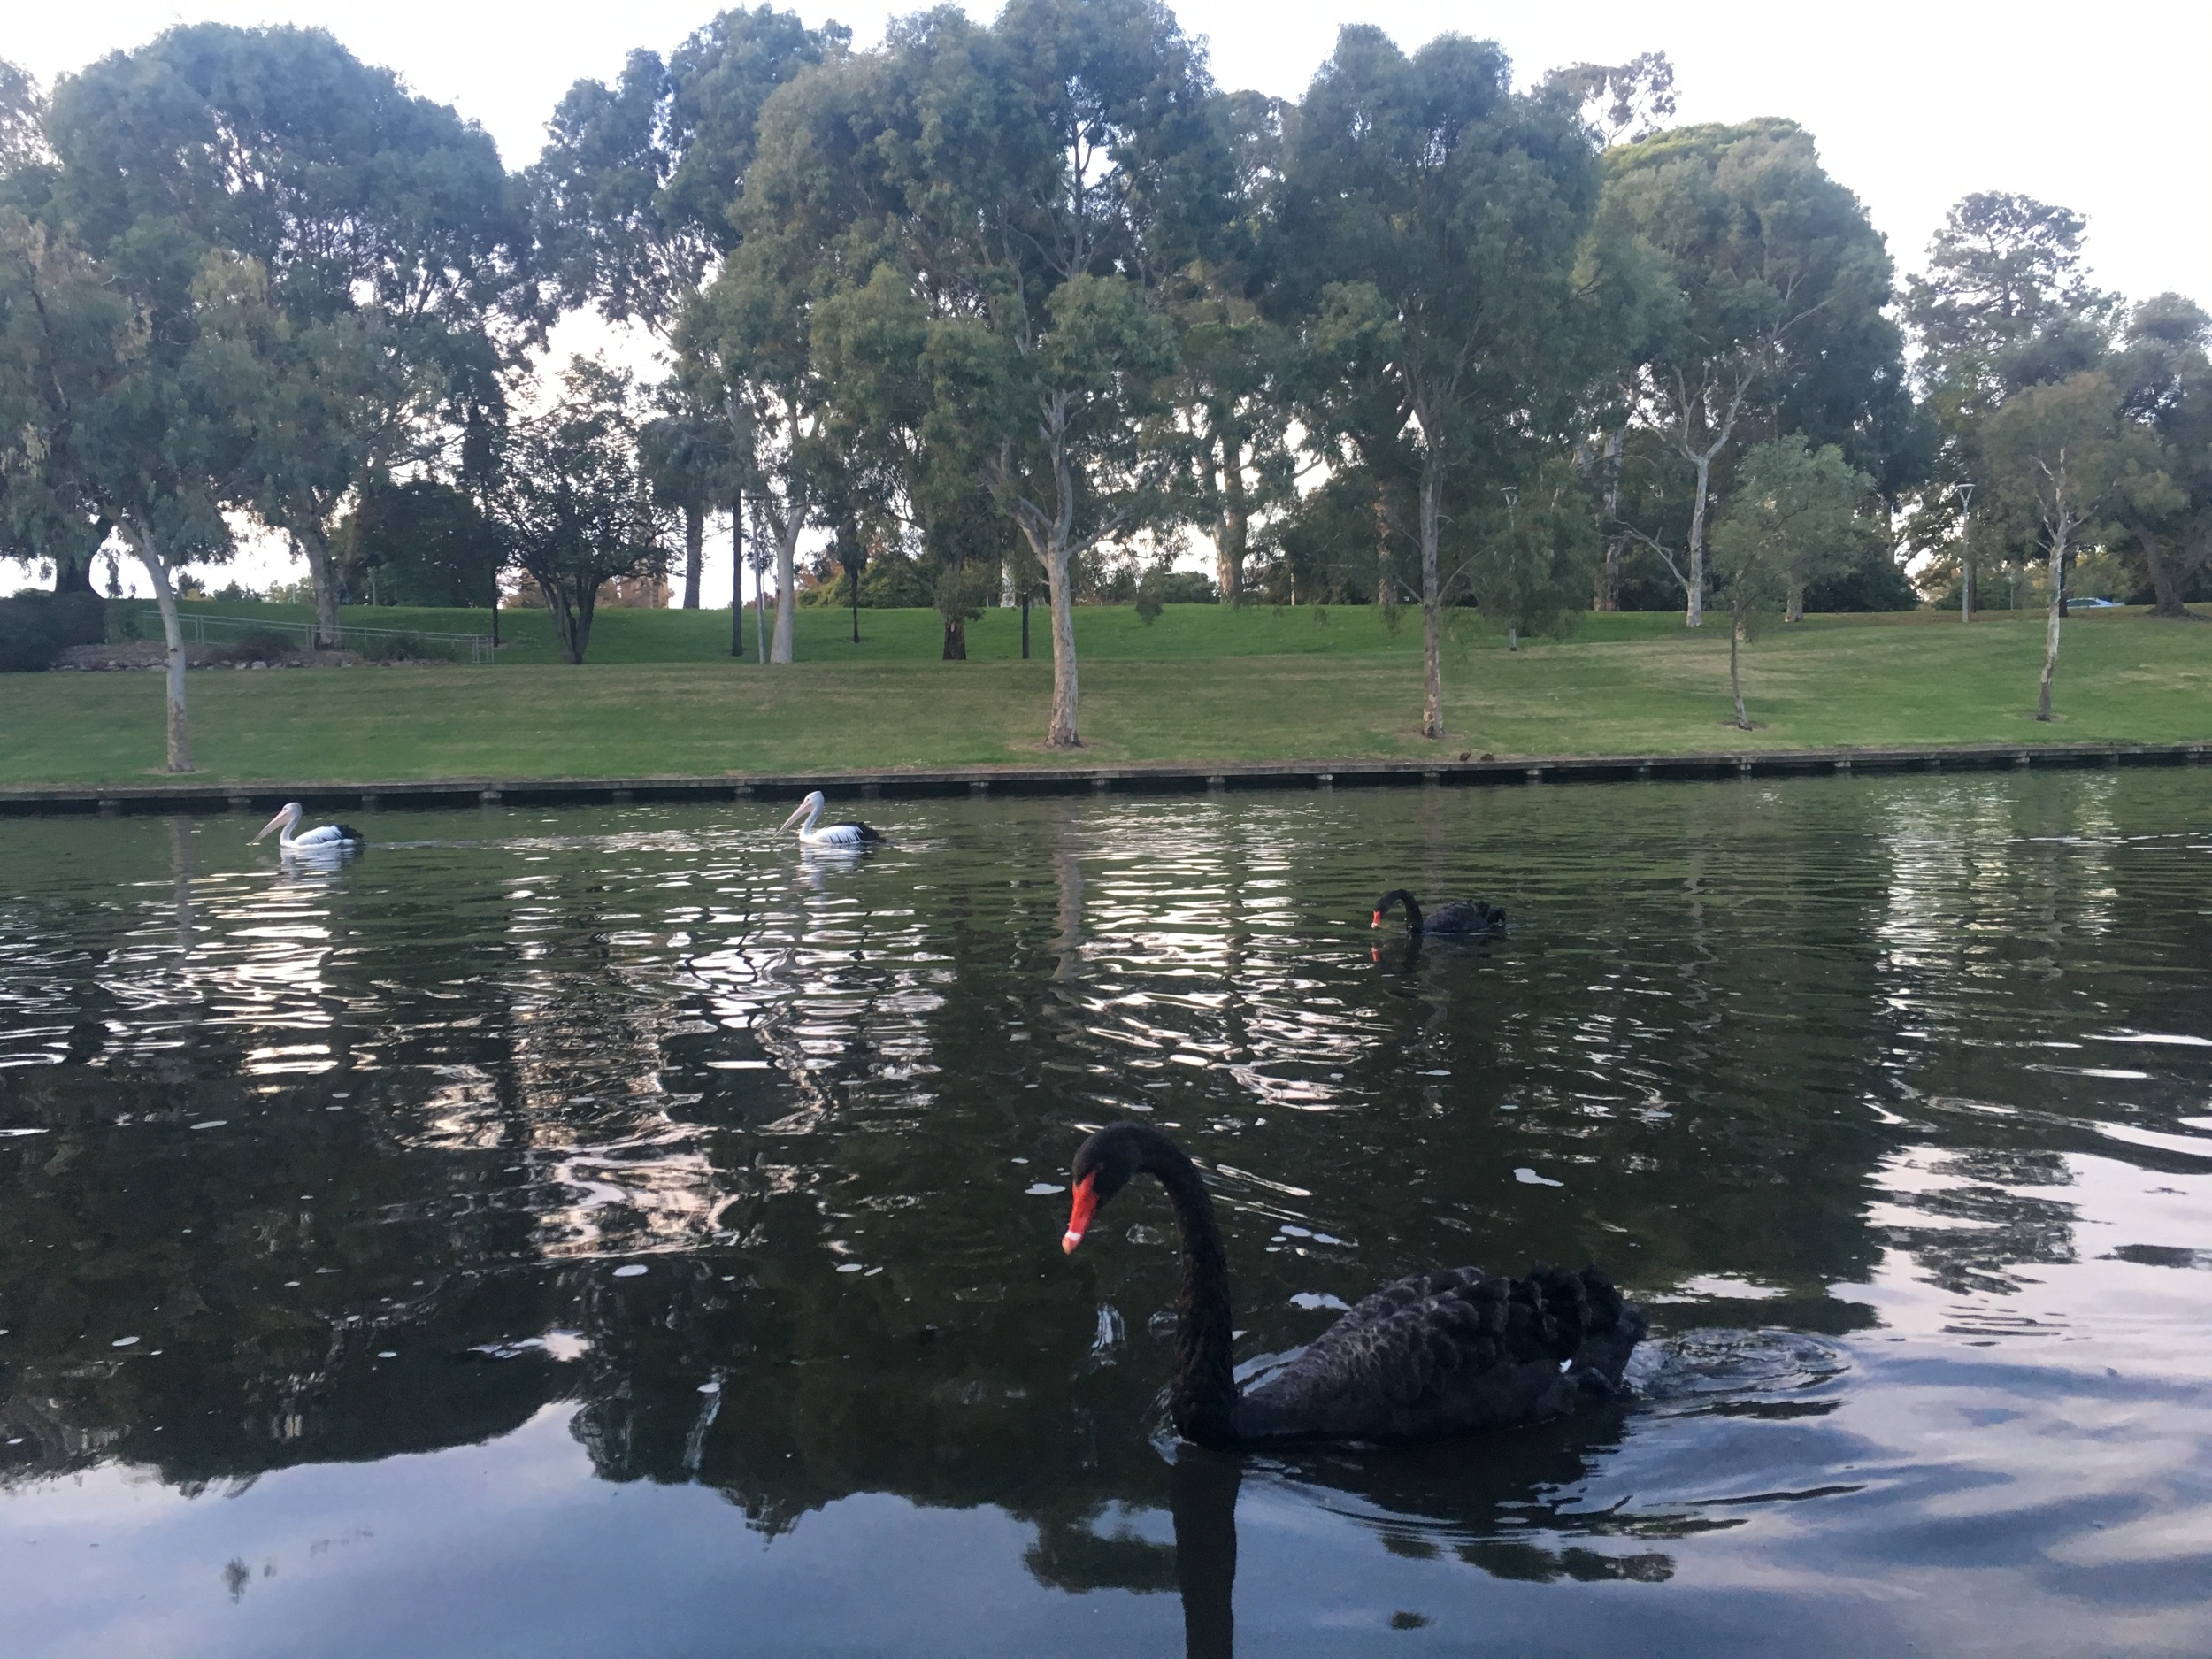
322, 573
1062, 732
1432, 608
787, 584
1232, 525
2059, 535
1735, 678
1694, 612
1608, 596
178, 744
1694, 615
1052, 539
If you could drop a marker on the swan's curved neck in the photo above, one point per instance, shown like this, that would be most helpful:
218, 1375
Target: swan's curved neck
1413, 912
1203, 1396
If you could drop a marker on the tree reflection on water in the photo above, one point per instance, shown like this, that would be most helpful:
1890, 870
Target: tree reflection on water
353, 1154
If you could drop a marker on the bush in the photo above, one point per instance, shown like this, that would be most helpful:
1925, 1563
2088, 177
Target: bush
36, 627
1877, 584
402, 648
890, 581
1149, 587
255, 645
1188, 587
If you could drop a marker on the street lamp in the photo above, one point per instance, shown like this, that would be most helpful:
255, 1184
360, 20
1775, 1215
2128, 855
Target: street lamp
1965, 491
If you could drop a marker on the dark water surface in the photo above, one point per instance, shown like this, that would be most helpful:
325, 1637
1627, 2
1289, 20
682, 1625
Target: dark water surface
609, 1233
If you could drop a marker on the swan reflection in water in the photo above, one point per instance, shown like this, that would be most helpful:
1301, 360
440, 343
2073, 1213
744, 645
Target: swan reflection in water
1487, 1499
1513, 1504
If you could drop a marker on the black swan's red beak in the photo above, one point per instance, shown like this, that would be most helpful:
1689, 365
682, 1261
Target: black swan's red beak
1079, 1213
1378, 921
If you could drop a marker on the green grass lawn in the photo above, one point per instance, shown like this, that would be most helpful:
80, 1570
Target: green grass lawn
1204, 683
824, 634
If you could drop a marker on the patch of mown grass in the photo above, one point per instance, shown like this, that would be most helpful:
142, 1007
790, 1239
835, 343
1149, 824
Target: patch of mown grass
1650, 688
824, 635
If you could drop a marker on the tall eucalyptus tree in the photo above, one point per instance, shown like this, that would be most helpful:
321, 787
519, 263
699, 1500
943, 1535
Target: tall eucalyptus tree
392, 247
1759, 265
1437, 217
2005, 304
1004, 201
639, 200
2163, 369
130, 391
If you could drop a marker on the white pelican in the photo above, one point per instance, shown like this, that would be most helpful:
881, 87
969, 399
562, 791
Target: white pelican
324, 838
829, 835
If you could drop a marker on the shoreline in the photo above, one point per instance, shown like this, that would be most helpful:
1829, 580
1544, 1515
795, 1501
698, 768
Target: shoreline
1131, 778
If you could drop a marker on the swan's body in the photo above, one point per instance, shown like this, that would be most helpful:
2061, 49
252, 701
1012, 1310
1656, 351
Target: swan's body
1434, 1355
1460, 916
829, 835
324, 838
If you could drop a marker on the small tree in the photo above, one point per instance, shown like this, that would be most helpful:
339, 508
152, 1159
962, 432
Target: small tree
574, 504
1795, 518
689, 456
2165, 381
429, 540
2062, 468
1531, 571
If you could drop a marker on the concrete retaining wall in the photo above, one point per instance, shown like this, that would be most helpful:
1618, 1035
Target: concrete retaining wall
1170, 778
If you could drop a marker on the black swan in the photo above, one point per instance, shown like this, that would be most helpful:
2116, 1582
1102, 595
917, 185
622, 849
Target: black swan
1437, 1355
1460, 916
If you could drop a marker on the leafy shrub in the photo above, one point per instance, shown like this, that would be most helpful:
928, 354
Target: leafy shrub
1187, 587
890, 581
1874, 584
1150, 588
36, 627
404, 648
255, 645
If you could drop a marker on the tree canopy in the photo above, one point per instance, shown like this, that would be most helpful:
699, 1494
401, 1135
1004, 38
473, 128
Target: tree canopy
992, 307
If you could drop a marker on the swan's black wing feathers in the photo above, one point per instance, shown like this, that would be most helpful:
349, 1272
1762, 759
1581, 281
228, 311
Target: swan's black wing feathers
1463, 916
1448, 1352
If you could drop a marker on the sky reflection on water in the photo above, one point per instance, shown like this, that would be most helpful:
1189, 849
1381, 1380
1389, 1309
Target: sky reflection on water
1906, 1083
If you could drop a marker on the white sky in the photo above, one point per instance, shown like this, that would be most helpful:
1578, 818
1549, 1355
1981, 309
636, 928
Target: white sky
1914, 105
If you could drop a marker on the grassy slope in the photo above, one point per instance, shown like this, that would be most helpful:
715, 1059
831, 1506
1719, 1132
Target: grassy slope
824, 634
1204, 683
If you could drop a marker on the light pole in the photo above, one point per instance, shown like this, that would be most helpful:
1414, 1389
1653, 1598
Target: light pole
1965, 491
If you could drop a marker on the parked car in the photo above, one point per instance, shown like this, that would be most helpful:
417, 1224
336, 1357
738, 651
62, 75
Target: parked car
2092, 604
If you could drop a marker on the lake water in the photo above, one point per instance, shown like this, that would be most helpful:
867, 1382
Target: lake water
611, 1232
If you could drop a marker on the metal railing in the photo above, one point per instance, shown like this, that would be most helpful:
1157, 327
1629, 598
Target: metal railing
196, 623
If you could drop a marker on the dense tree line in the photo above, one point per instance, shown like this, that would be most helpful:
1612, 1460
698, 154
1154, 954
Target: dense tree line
992, 307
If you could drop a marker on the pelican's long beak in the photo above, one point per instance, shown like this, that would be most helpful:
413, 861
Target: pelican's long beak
274, 823
1079, 1214
797, 813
